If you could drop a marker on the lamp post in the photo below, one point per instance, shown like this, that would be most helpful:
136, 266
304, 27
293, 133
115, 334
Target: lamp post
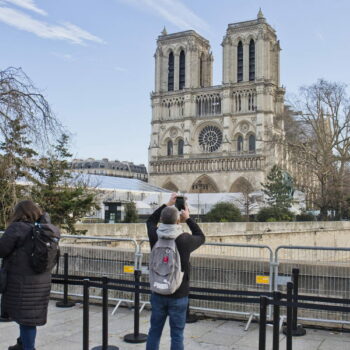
200, 186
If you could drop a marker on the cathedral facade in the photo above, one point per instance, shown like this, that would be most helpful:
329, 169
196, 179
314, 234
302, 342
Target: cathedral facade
209, 138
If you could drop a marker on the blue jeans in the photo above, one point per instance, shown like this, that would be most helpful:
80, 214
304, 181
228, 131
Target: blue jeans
175, 308
28, 334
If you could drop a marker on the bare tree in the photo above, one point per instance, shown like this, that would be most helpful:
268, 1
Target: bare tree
246, 200
27, 124
21, 100
320, 140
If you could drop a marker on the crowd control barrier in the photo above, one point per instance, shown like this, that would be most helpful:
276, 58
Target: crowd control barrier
65, 302
105, 285
323, 276
105, 345
95, 256
278, 302
275, 300
136, 336
223, 268
229, 270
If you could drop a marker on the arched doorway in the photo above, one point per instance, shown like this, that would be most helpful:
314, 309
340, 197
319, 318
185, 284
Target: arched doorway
204, 184
241, 185
170, 186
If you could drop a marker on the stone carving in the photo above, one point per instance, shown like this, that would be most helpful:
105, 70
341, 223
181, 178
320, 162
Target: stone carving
244, 127
173, 132
192, 45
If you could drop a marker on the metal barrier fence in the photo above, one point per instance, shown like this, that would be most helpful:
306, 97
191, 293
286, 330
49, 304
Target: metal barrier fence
231, 267
324, 272
91, 256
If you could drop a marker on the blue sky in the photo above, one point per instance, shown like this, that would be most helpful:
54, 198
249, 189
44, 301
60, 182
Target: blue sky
93, 59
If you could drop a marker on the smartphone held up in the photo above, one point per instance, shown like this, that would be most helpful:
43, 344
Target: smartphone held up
180, 203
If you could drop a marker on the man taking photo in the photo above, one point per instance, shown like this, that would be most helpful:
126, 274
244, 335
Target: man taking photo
169, 270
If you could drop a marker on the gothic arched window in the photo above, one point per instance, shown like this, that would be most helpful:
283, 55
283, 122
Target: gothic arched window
240, 62
252, 60
171, 72
180, 147
201, 63
182, 71
170, 148
239, 143
251, 143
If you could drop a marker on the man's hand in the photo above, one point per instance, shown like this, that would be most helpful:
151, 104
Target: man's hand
185, 214
172, 199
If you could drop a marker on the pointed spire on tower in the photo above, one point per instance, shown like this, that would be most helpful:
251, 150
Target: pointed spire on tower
164, 32
260, 14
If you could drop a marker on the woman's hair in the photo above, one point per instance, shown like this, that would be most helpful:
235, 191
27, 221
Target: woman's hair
26, 211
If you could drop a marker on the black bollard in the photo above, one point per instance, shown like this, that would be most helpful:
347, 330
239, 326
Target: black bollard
288, 328
65, 302
86, 314
136, 337
276, 322
190, 318
105, 345
297, 330
264, 301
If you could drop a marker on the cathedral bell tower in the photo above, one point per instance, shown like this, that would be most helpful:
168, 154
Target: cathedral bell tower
251, 52
209, 138
183, 61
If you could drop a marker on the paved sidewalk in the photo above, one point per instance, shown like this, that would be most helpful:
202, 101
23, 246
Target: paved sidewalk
64, 332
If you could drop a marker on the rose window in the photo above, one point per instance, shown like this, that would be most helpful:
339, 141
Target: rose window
210, 138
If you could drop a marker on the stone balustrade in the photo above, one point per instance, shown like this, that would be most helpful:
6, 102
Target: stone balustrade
232, 163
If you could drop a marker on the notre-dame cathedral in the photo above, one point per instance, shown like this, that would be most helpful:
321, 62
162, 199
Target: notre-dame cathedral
209, 138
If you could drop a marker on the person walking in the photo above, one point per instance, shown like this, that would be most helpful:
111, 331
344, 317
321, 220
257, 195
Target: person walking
173, 305
27, 293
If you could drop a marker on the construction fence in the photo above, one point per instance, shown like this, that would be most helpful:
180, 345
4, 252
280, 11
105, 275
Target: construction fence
239, 272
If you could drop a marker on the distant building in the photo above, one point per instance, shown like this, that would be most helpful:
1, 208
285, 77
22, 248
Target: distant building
114, 192
110, 168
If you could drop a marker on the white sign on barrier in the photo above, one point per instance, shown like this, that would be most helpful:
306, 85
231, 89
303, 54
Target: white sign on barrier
144, 270
283, 280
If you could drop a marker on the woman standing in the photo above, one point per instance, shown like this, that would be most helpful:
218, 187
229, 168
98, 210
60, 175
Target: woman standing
27, 293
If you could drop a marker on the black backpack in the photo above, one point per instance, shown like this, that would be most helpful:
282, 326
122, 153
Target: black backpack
45, 250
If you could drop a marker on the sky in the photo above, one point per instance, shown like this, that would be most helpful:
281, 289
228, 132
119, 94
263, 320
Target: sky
93, 59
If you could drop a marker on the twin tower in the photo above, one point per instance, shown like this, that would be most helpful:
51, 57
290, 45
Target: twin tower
219, 138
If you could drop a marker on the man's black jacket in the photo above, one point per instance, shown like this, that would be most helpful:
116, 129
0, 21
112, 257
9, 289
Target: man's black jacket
186, 243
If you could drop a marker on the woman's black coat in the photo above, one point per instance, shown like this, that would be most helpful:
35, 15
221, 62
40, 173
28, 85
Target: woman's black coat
27, 294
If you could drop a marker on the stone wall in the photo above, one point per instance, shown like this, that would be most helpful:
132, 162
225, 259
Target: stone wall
274, 234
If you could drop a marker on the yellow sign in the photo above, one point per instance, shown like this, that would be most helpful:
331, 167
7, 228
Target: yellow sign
128, 269
262, 279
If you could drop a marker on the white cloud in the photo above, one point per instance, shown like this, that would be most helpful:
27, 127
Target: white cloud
28, 5
64, 56
119, 69
174, 11
64, 31
319, 35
